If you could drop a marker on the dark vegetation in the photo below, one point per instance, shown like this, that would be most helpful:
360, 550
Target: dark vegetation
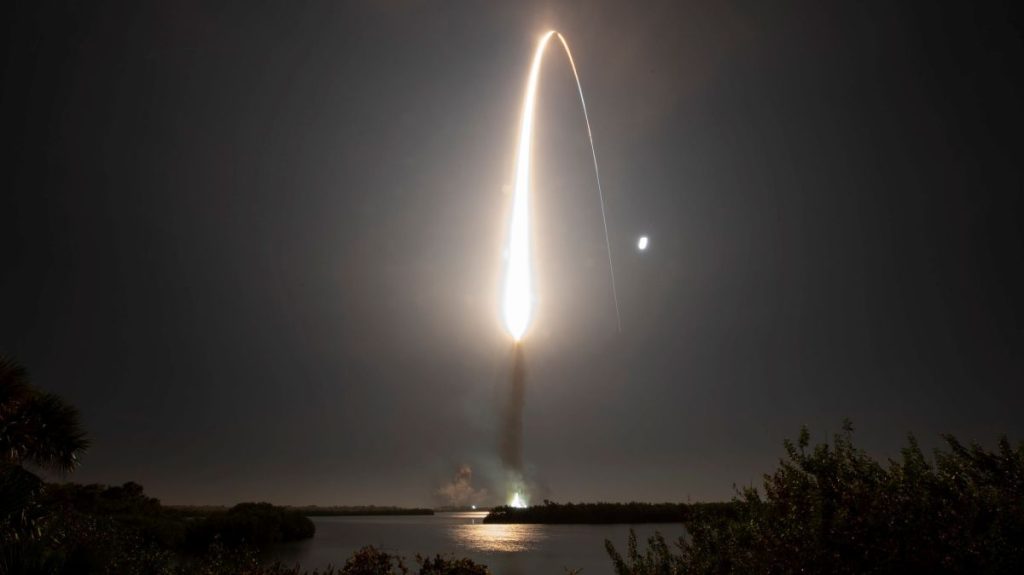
371, 561
347, 511
828, 508
37, 429
94, 529
598, 513
831, 508
84, 528
258, 524
312, 510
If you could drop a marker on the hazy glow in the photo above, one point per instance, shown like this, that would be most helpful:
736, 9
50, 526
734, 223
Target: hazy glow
518, 296
517, 501
641, 244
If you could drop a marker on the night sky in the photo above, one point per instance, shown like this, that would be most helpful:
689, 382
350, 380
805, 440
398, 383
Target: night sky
259, 247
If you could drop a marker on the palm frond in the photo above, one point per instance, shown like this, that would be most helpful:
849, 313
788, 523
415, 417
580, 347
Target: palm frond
45, 431
14, 386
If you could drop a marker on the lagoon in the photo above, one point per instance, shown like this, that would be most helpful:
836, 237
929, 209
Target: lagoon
517, 549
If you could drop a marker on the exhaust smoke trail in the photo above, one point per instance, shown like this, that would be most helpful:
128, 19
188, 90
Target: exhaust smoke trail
511, 448
512, 418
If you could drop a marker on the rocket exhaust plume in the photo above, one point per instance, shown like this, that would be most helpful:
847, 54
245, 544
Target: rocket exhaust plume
518, 297
517, 303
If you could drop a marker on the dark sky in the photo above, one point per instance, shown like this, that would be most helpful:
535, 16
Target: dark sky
259, 245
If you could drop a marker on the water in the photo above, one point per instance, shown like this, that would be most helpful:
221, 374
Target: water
505, 549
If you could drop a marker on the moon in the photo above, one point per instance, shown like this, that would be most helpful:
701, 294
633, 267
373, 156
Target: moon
641, 243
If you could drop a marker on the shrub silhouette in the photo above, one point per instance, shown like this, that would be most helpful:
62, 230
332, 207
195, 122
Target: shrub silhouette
831, 508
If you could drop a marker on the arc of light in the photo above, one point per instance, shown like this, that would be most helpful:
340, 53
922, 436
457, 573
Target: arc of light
518, 297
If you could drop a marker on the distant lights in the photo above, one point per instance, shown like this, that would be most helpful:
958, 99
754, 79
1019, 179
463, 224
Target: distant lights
641, 244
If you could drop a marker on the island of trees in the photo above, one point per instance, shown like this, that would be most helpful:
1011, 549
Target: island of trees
314, 510
604, 513
358, 510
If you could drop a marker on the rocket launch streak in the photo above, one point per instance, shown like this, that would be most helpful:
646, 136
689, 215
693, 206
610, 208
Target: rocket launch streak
518, 297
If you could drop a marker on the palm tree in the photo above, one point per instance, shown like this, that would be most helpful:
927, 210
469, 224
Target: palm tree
38, 429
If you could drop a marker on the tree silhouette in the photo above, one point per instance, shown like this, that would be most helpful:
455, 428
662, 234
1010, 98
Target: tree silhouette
38, 429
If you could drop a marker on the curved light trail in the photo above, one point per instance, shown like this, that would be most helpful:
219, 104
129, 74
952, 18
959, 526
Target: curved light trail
518, 297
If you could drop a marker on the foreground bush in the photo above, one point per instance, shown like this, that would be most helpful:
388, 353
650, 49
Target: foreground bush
372, 561
126, 555
834, 509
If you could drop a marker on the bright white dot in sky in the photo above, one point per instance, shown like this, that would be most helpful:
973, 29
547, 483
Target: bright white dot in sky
641, 244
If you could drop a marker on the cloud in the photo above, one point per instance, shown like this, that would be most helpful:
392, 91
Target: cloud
460, 492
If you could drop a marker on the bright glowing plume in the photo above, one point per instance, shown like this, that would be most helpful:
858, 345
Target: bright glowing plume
517, 501
518, 281
518, 297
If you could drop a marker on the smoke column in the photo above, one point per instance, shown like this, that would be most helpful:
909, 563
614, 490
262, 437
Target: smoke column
512, 418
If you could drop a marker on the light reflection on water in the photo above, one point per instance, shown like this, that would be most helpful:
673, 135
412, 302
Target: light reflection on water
499, 538
505, 549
